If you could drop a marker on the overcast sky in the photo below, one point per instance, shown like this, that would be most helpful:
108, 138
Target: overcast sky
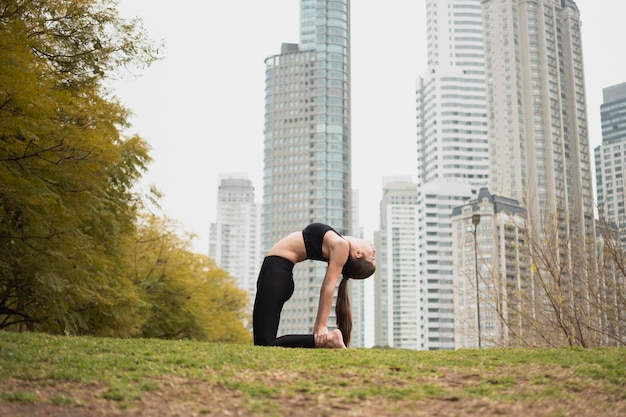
201, 108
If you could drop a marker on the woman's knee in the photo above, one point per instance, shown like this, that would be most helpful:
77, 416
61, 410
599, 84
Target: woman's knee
262, 340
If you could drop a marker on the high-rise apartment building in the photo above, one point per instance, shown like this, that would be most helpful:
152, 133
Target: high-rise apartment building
436, 267
490, 271
307, 144
539, 156
235, 237
451, 152
397, 313
537, 116
610, 159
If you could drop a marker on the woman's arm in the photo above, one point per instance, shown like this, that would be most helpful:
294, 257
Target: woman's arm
338, 254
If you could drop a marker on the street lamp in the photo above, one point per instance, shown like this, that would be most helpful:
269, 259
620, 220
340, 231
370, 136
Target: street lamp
475, 222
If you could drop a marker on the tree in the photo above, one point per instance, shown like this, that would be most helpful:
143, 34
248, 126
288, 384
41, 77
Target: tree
78, 254
66, 174
189, 296
571, 291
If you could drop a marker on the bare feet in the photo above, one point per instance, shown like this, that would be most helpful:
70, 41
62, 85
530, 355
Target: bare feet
333, 339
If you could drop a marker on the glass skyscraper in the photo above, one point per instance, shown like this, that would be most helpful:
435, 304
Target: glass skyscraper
611, 159
307, 151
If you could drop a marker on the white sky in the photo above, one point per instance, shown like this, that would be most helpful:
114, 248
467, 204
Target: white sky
202, 107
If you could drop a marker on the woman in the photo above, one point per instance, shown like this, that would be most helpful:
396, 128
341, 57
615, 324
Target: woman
345, 255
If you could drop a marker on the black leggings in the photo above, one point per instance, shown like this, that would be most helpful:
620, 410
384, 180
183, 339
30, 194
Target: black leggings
273, 288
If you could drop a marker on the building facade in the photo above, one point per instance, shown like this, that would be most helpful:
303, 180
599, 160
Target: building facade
436, 267
610, 160
488, 234
307, 144
537, 116
539, 156
451, 152
397, 299
235, 237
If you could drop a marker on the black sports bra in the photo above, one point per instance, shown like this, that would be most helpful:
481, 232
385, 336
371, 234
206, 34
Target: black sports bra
313, 236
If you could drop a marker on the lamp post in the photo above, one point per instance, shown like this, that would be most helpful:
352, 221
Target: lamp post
475, 222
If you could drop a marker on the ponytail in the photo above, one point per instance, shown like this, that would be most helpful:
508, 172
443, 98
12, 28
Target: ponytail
356, 269
343, 311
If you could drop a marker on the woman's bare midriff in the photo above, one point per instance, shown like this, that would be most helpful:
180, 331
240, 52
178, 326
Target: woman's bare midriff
291, 247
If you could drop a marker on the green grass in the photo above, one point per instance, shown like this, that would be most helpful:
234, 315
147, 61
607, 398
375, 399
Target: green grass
270, 380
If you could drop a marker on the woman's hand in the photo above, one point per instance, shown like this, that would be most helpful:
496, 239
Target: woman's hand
333, 339
321, 335
321, 330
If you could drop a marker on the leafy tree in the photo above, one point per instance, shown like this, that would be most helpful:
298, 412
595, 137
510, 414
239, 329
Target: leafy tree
66, 202
189, 296
77, 255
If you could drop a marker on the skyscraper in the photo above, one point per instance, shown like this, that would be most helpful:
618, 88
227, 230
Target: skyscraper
451, 152
307, 145
536, 109
235, 238
539, 156
610, 159
396, 295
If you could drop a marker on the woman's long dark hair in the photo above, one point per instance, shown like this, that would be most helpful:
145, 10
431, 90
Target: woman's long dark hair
355, 269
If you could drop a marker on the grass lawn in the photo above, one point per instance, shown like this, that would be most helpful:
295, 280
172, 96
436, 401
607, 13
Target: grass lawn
42, 375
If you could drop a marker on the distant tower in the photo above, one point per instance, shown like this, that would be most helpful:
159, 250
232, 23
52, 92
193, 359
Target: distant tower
235, 237
451, 152
307, 147
397, 298
611, 159
537, 115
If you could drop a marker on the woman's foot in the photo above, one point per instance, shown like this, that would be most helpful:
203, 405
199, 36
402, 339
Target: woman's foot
334, 339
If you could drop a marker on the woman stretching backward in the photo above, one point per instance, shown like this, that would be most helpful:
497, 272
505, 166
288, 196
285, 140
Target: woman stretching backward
345, 255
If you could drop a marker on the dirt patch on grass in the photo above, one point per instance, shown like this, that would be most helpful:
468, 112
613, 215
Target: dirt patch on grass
180, 397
